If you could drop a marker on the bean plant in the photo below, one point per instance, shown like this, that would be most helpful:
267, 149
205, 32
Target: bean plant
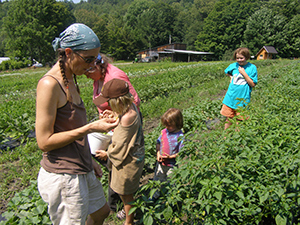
248, 174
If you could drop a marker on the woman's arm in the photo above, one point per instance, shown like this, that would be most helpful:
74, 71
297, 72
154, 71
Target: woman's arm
49, 98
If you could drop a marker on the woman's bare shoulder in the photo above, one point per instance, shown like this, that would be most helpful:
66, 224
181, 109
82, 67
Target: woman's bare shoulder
50, 88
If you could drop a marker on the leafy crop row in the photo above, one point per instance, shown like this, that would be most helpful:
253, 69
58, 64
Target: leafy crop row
248, 174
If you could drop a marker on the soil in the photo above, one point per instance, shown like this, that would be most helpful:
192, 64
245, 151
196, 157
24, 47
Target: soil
150, 124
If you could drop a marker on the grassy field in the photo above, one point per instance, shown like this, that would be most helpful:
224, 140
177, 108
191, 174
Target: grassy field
197, 89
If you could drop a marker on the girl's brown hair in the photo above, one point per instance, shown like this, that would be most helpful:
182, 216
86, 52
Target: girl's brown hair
243, 51
174, 117
62, 59
121, 104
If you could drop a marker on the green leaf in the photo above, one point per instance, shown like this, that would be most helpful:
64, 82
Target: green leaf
26, 206
280, 220
40, 209
132, 210
207, 208
218, 195
240, 194
8, 214
264, 197
152, 192
168, 212
204, 182
238, 176
227, 181
148, 220
279, 191
46, 220
35, 220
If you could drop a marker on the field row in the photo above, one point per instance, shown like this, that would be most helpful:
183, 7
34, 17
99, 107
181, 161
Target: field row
244, 178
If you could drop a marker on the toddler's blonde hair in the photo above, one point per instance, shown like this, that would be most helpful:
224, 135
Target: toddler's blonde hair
121, 104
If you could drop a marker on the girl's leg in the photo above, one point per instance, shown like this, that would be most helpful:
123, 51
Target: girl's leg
227, 123
98, 217
126, 199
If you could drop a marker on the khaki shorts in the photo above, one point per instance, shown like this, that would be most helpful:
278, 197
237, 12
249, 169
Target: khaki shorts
70, 197
229, 112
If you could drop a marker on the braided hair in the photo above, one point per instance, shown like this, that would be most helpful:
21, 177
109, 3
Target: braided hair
62, 59
103, 63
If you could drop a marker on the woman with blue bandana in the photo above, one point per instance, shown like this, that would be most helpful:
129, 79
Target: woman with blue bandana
67, 181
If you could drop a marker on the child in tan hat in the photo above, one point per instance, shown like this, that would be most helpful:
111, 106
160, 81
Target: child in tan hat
126, 152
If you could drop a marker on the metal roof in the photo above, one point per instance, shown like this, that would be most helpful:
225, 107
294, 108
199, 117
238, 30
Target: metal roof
269, 49
188, 52
4, 59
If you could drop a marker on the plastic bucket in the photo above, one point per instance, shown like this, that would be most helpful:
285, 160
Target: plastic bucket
99, 141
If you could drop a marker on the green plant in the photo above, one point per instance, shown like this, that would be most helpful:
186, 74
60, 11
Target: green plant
248, 174
27, 207
249, 177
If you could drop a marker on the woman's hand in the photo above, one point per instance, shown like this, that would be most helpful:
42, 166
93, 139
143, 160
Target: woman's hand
104, 125
101, 154
109, 114
97, 169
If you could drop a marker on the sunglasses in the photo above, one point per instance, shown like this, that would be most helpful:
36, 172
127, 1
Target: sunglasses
87, 59
90, 70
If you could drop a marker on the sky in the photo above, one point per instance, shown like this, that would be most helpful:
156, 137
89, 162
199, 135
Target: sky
75, 1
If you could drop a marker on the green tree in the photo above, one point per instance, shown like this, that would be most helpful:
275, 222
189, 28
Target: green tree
265, 27
135, 10
131, 19
204, 7
190, 20
291, 47
97, 23
287, 8
224, 27
156, 24
31, 25
121, 41
183, 29
3, 11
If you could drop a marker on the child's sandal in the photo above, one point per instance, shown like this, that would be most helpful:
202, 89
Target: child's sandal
121, 215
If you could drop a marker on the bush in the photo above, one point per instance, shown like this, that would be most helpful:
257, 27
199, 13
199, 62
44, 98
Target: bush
27, 207
14, 64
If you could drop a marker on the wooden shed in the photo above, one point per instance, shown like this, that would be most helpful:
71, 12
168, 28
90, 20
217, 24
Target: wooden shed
266, 52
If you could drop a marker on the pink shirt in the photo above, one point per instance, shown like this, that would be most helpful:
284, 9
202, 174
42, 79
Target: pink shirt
113, 72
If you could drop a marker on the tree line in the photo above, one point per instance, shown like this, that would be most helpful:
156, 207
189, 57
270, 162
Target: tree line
124, 27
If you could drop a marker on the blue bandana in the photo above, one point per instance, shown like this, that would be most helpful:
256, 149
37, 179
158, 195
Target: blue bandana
77, 37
